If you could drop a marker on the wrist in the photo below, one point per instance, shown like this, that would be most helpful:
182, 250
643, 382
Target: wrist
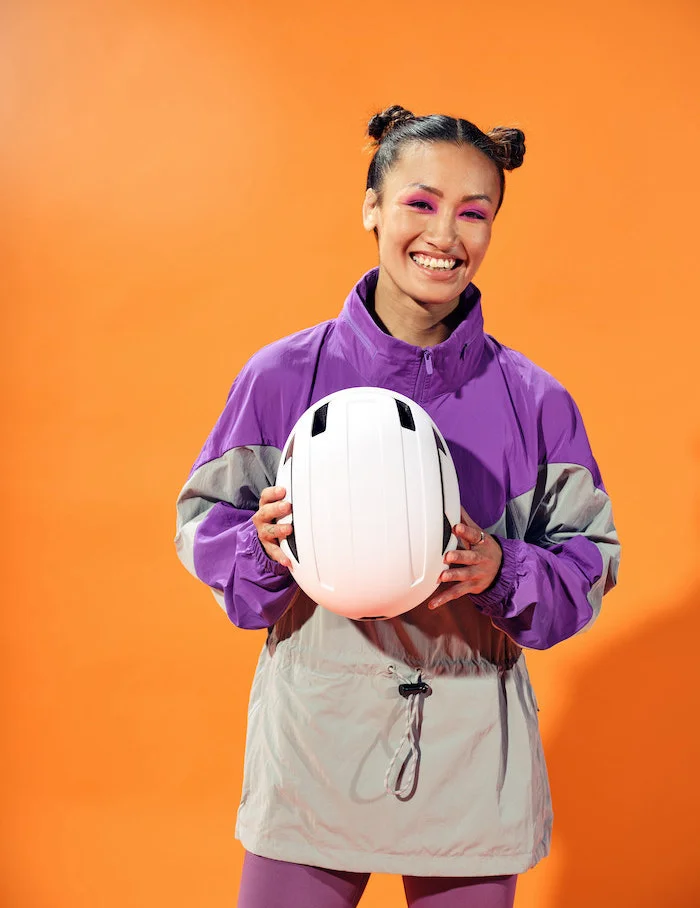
500, 589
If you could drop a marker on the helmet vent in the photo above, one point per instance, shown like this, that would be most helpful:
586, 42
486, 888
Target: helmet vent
292, 543
290, 450
319, 423
446, 533
446, 526
405, 415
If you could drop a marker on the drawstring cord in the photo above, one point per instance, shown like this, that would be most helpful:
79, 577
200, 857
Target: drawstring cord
411, 690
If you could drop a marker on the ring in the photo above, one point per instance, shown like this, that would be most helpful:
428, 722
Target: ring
483, 536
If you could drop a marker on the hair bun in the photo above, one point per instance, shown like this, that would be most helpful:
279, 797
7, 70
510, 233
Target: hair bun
508, 146
382, 123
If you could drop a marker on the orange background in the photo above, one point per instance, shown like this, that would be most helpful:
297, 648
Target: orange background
182, 183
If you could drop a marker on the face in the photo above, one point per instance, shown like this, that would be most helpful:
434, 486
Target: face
434, 221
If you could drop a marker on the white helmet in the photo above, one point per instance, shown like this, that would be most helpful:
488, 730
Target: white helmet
375, 495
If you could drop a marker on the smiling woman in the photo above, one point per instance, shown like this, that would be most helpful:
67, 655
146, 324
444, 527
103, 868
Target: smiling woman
434, 188
463, 805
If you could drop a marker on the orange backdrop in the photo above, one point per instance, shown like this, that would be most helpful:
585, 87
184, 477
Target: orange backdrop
181, 184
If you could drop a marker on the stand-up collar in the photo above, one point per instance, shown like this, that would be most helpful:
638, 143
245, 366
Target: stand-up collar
386, 361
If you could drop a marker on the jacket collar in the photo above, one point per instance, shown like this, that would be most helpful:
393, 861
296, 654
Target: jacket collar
421, 373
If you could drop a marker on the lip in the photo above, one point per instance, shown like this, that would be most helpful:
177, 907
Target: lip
433, 255
436, 275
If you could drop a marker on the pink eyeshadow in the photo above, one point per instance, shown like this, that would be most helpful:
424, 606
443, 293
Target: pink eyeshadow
420, 198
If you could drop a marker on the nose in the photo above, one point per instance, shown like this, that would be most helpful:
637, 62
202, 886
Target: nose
442, 232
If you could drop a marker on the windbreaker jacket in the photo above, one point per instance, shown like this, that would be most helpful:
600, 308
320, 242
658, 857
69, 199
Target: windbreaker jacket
341, 770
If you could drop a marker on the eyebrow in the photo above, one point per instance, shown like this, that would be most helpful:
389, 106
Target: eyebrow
465, 198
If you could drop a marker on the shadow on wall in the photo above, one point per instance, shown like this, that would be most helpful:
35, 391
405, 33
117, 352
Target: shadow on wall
625, 771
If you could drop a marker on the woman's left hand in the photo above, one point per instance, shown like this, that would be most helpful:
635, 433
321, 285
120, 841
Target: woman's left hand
472, 567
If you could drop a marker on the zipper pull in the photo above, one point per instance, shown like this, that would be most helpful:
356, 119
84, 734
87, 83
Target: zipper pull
428, 357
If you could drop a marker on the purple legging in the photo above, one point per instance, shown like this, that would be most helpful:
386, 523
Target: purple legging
266, 882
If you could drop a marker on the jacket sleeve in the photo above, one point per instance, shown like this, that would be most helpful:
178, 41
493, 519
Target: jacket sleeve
216, 539
551, 583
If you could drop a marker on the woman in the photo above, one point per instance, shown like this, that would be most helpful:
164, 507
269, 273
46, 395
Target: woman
343, 776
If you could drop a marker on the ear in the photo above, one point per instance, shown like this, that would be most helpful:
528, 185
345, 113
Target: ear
370, 209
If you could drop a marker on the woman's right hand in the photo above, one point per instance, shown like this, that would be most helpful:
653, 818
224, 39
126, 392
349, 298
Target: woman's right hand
270, 533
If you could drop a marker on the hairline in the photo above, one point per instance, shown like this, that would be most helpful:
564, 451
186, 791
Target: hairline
459, 142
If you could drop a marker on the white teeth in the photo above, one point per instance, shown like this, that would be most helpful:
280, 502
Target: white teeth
426, 262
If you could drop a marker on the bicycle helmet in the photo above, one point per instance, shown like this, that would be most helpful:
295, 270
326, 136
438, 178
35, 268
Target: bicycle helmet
375, 495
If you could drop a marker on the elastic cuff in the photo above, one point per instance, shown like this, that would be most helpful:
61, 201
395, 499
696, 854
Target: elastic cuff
492, 600
250, 545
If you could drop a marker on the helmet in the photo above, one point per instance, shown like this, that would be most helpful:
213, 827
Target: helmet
375, 495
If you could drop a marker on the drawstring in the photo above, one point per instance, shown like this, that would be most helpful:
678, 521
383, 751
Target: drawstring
411, 691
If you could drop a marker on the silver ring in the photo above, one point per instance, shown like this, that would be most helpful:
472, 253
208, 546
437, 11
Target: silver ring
483, 536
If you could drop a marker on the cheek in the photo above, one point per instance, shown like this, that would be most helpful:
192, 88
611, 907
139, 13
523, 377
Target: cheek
477, 245
402, 229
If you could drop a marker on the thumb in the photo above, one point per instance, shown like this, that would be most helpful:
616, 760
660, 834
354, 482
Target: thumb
473, 533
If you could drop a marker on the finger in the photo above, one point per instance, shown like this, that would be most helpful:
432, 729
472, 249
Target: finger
472, 528
463, 556
272, 493
462, 545
468, 574
453, 574
449, 592
468, 534
275, 531
276, 554
270, 512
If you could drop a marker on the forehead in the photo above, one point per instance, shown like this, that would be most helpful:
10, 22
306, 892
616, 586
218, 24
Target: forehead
454, 169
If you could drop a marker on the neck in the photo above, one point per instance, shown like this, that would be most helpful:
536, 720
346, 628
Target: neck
419, 324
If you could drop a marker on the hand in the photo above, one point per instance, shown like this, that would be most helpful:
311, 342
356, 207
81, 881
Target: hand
269, 533
472, 566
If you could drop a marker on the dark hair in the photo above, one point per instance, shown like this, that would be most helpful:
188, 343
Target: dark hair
395, 127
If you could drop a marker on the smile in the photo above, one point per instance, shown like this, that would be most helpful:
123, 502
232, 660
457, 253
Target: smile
435, 264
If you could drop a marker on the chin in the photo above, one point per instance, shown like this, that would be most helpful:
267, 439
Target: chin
420, 299
437, 296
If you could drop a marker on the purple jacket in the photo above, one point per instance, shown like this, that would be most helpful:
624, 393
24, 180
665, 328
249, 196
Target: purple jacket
525, 467
466, 791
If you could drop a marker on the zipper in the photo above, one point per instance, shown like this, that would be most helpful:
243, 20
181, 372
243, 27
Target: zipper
423, 378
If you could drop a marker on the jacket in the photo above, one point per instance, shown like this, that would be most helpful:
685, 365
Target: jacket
341, 770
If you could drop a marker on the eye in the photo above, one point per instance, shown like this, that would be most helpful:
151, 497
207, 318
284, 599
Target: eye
418, 203
474, 215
